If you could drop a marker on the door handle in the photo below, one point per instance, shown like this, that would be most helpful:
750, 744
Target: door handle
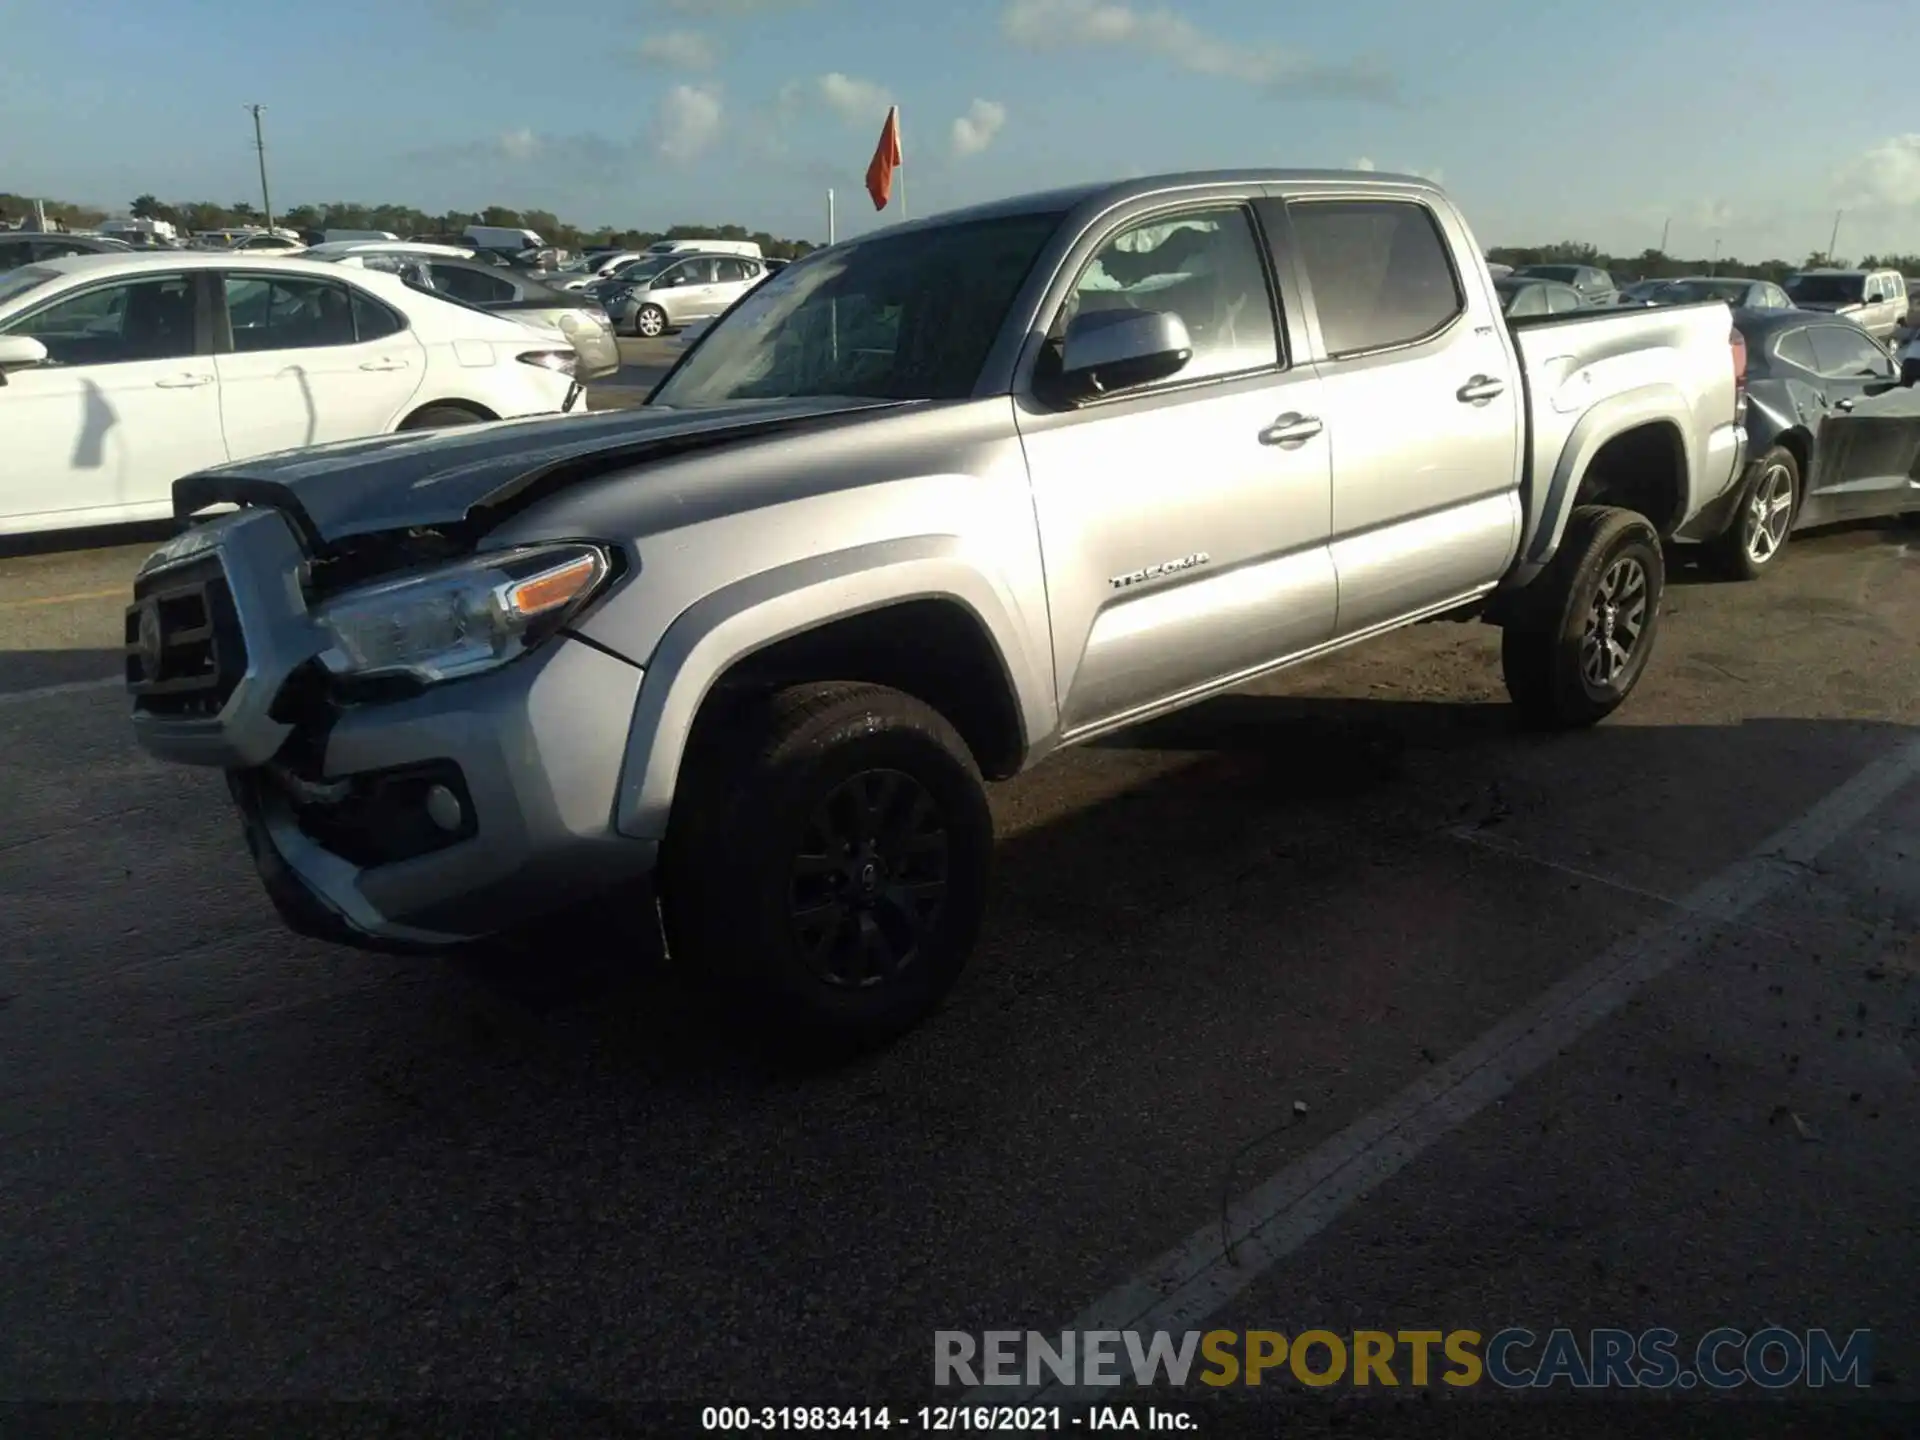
183, 382
1291, 428
384, 363
1479, 388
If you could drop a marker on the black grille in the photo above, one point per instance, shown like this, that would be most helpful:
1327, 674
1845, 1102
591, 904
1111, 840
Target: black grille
185, 650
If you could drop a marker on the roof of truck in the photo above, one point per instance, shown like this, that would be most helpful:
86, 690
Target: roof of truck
1100, 195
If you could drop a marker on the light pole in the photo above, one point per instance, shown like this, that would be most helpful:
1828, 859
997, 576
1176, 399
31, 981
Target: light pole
260, 144
1833, 239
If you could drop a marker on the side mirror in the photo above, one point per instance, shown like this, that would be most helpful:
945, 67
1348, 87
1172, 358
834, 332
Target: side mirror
1109, 350
20, 352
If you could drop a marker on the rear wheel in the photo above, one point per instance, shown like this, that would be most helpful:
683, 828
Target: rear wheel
1763, 519
1579, 642
650, 322
827, 862
440, 417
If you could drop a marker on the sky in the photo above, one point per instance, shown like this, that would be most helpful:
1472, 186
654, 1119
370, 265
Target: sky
1745, 124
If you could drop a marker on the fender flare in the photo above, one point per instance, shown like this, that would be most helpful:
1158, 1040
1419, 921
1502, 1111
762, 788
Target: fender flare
719, 630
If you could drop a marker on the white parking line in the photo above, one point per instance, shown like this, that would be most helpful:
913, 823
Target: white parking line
1182, 1289
49, 692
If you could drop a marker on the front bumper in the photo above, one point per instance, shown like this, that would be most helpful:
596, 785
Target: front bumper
338, 803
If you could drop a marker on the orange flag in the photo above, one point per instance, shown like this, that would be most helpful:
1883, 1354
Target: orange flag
886, 159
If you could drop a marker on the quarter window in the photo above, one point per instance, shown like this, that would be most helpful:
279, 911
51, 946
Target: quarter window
1796, 349
1204, 267
372, 320
287, 313
1380, 272
150, 319
473, 286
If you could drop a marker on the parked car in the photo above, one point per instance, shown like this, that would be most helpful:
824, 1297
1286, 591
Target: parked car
30, 247
121, 373
1737, 291
1825, 446
648, 299
1521, 296
1594, 284
595, 265
1874, 299
335, 249
583, 321
1639, 292
749, 249
763, 636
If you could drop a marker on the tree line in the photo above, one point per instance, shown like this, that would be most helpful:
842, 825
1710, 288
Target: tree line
190, 216
1658, 265
407, 222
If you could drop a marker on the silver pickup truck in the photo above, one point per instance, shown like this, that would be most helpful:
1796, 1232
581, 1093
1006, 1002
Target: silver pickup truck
924, 507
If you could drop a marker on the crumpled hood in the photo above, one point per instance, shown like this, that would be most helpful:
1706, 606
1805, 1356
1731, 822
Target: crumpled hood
465, 476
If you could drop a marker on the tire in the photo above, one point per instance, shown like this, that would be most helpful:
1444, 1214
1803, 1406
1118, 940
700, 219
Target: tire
440, 417
1762, 520
761, 896
650, 322
1548, 647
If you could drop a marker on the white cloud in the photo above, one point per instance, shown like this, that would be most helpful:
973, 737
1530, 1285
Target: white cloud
1056, 24
687, 122
853, 100
521, 144
678, 50
1885, 176
974, 131
1363, 163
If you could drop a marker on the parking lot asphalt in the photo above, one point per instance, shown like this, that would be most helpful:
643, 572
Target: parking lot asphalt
1658, 984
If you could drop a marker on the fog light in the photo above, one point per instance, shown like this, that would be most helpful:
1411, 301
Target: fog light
443, 808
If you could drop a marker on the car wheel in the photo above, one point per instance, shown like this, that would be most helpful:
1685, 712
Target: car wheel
1762, 520
440, 417
826, 863
1580, 638
650, 322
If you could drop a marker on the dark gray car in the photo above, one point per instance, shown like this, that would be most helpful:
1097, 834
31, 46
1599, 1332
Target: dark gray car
1738, 291
1595, 285
30, 247
1832, 433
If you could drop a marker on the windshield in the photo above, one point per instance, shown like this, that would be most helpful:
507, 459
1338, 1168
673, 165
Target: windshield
1683, 292
1827, 289
15, 283
897, 317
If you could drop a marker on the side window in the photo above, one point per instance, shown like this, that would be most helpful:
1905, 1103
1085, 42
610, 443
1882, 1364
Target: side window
732, 272
1380, 272
1562, 298
287, 313
1796, 349
56, 249
1205, 267
13, 254
671, 276
1532, 300
372, 320
471, 285
142, 320
1843, 354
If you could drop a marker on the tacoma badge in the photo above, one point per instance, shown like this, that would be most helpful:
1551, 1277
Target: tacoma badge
1160, 571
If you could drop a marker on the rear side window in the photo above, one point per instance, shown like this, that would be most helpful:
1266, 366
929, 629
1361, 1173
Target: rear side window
1380, 271
473, 286
287, 313
1846, 354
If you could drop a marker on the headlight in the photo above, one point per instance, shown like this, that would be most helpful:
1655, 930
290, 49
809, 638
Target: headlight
461, 619
563, 361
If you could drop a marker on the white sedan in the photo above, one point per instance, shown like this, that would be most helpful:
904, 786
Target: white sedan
121, 373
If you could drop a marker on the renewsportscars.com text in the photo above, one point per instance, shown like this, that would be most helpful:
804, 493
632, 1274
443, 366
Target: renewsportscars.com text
1772, 1358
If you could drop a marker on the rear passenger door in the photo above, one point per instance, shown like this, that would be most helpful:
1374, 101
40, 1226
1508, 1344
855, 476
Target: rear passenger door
305, 360
1421, 403
1866, 449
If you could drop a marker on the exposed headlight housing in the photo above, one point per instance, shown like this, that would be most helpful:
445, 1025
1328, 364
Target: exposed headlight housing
462, 619
564, 362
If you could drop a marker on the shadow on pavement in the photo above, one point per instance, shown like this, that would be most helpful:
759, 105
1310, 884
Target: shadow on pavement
34, 669
390, 1180
94, 537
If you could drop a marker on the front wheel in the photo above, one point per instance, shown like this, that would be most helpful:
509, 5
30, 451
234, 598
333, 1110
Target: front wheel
1580, 641
827, 860
1763, 519
650, 322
